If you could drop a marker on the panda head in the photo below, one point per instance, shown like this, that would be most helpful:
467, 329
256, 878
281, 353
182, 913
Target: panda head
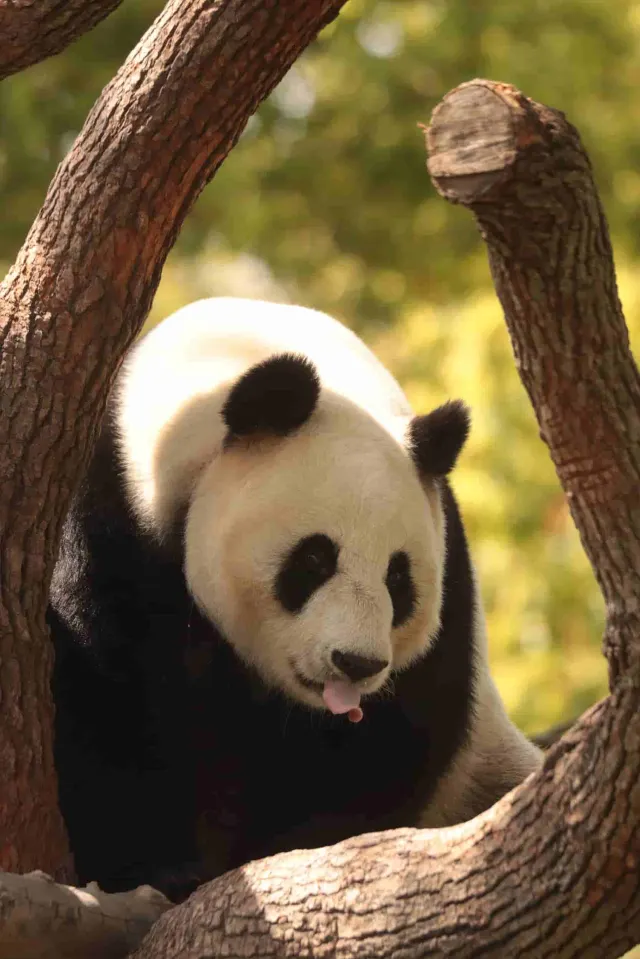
315, 540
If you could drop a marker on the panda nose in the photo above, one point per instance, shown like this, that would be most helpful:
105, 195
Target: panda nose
357, 667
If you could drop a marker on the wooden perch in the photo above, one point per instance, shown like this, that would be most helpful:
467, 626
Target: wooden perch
32, 30
40, 919
552, 871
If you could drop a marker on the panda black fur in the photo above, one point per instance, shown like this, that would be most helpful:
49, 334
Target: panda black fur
263, 455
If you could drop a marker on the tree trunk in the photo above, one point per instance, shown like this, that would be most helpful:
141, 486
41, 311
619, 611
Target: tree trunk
552, 870
71, 305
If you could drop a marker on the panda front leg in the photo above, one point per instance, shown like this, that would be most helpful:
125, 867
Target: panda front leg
126, 778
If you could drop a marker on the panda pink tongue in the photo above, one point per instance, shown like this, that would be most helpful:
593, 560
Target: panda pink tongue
342, 697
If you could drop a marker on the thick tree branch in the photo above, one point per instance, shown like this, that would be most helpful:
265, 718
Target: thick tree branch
71, 305
522, 170
551, 872
32, 30
532, 878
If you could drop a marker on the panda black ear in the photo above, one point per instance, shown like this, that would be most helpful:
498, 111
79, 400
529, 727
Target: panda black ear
275, 396
435, 440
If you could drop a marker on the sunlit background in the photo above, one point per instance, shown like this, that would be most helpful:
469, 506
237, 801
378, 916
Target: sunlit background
326, 201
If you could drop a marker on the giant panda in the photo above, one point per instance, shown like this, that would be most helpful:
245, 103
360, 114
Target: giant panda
267, 627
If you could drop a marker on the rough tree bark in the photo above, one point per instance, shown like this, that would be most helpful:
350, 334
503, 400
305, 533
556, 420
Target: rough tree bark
72, 303
552, 267
32, 30
552, 869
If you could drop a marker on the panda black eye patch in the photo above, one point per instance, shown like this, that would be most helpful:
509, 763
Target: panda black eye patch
311, 562
400, 586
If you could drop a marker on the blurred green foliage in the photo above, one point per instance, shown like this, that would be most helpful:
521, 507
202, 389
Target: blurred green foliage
326, 201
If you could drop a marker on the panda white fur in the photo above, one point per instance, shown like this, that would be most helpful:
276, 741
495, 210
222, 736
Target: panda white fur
266, 541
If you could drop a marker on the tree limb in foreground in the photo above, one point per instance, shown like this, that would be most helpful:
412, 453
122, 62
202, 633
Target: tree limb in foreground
32, 30
72, 304
552, 871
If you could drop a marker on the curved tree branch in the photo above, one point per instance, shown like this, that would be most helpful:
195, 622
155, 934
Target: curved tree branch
522, 170
32, 30
71, 305
551, 872
532, 878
